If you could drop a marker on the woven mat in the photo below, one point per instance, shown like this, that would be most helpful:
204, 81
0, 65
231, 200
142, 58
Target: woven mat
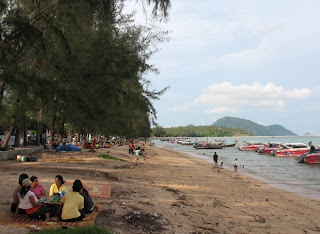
11, 219
94, 189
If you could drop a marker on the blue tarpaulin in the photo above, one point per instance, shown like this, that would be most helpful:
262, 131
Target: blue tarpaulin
69, 147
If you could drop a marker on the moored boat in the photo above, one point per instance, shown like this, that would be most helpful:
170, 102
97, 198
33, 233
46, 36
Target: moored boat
229, 145
209, 146
251, 146
312, 158
292, 150
271, 147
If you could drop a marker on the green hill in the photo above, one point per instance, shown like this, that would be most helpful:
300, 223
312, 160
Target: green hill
198, 131
252, 127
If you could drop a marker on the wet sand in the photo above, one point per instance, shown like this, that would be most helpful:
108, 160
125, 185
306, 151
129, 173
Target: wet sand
171, 192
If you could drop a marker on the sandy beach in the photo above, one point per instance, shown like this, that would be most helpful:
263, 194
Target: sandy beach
169, 192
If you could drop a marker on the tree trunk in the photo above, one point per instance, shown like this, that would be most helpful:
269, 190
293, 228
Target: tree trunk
25, 129
2, 84
39, 125
17, 138
9, 132
10, 128
53, 125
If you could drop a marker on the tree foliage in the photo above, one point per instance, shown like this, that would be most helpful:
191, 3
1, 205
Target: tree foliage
198, 131
77, 62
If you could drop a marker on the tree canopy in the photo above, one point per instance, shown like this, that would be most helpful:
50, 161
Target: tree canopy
80, 63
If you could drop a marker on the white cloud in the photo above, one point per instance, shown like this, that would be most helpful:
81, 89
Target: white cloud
229, 98
181, 108
219, 110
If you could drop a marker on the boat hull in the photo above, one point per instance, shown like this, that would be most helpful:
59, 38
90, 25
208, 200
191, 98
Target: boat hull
313, 158
291, 153
231, 145
210, 147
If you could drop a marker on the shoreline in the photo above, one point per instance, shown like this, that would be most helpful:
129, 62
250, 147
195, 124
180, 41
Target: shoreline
168, 191
272, 182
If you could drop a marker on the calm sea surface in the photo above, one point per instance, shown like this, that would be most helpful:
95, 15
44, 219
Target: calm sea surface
280, 172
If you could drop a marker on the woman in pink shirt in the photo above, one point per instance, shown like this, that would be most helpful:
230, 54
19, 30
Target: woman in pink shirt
36, 188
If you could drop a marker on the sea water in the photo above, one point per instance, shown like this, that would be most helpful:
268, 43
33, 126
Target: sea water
280, 172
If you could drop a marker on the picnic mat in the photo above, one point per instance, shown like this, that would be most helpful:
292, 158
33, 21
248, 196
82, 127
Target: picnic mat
19, 220
94, 189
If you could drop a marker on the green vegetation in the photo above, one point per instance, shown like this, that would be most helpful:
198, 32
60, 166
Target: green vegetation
107, 156
77, 65
78, 230
197, 131
252, 127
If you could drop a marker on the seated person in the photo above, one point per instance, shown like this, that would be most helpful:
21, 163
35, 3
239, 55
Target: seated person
29, 202
15, 196
73, 204
58, 186
89, 205
37, 188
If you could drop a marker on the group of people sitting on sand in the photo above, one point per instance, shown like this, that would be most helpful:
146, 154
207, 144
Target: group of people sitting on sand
74, 206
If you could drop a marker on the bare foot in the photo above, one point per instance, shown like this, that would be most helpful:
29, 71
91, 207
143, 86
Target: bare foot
87, 219
47, 217
54, 219
97, 208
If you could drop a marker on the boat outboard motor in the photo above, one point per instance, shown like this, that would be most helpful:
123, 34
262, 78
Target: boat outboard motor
302, 157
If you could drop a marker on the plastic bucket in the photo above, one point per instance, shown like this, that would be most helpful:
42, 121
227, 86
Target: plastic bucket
23, 158
18, 158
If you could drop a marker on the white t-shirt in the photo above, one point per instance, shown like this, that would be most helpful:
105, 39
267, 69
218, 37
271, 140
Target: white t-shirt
25, 201
138, 152
236, 163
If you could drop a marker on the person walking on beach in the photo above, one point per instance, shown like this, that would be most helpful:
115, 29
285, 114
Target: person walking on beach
235, 165
215, 159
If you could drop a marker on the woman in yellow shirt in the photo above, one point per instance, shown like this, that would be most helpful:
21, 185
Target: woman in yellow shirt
58, 186
73, 205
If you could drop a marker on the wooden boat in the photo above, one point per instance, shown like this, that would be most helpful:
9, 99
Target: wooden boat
229, 145
207, 145
214, 146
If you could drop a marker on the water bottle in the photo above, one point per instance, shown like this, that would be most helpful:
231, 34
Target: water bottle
62, 193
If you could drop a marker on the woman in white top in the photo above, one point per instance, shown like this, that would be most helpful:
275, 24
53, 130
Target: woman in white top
29, 202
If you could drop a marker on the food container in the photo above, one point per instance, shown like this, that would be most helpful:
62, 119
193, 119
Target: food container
18, 158
23, 158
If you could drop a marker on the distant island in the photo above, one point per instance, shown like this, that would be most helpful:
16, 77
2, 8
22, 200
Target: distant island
224, 127
198, 131
252, 127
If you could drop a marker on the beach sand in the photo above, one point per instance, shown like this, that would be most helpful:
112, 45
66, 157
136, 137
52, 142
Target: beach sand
169, 192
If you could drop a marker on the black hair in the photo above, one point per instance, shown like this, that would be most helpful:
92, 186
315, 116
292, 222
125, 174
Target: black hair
60, 178
77, 186
22, 177
23, 191
33, 178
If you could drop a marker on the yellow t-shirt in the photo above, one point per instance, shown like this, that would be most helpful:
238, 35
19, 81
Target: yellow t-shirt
72, 203
54, 189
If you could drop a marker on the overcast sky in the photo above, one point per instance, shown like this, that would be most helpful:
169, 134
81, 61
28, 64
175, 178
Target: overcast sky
257, 60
